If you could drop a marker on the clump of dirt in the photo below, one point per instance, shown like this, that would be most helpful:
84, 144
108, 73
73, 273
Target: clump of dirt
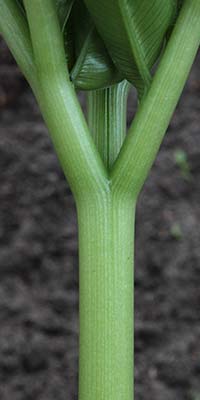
39, 259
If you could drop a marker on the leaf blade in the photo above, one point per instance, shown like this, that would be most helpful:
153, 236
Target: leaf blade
64, 8
93, 68
133, 32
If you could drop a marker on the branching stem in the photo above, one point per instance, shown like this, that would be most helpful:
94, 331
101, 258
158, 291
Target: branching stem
105, 175
78, 155
149, 126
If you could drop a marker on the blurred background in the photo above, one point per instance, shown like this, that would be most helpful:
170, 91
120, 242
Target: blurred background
39, 256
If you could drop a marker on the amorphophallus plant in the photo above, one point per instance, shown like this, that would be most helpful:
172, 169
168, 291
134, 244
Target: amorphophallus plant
104, 47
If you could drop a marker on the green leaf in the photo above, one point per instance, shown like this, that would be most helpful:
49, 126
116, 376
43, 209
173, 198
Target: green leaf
68, 37
133, 31
64, 8
21, 6
180, 3
94, 68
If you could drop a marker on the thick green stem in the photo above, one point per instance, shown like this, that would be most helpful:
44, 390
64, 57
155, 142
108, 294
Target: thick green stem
106, 237
60, 108
104, 201
107, 120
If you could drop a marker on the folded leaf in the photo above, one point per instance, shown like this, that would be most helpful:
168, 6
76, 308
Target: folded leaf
94, 68
133, 31
21, 5
64, 9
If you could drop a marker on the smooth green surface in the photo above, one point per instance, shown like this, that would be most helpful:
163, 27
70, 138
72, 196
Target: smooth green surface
14, 28
106, 234
60, 107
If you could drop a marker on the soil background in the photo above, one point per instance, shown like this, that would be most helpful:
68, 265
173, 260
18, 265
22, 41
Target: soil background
39, 257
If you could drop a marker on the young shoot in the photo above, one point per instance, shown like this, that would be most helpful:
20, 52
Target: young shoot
104, 47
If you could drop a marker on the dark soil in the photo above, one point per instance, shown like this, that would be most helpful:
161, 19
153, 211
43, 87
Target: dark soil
39, 258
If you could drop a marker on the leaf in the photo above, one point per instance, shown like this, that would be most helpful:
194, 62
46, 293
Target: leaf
69, 44
133, 31
180, 3
94, 68
21, 6
64, 8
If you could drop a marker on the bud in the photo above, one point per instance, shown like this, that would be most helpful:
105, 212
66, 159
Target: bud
134, 32
88, 60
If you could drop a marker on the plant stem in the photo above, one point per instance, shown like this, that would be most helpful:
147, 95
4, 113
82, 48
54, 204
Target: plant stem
151, 121
14, 28
104, 201
107, 120
57, 99
106, 235
106, 240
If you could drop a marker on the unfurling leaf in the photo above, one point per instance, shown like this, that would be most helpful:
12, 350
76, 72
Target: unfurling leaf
93, 68
64, 8
21, 5
133, 31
